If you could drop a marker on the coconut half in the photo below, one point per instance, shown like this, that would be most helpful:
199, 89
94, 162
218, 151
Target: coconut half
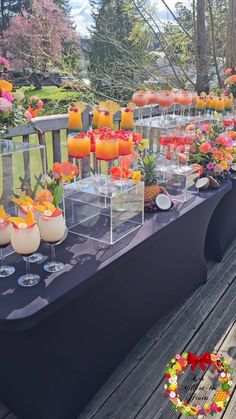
163, 202
202, 184
213, 183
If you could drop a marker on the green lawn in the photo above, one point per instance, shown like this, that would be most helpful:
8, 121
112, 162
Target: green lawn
50, 93
35, 159
56, 100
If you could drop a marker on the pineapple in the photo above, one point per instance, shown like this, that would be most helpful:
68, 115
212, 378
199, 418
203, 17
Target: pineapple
148, 167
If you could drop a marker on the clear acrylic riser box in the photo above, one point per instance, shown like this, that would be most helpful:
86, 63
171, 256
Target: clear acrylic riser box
179, 182
21, 165
152, 129
103, 209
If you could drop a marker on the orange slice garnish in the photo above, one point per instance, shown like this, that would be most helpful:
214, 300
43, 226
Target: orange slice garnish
49, 206
40, 208
16, 220
29, 200
110, 106
30, 220
81, 106
18, 201
3, 214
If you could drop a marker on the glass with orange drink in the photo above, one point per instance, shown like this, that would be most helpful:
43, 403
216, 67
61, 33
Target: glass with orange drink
79, 146
127, 118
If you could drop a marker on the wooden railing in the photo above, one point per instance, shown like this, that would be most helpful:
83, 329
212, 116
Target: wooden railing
52, 129
56, 123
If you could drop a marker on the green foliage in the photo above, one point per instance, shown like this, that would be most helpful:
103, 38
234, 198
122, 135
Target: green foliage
148, 168
9, 8
117, 61
64, 5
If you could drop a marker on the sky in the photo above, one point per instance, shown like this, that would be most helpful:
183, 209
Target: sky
82, 17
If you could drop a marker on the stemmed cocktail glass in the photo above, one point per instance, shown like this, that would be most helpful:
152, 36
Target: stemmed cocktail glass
165, 100
53, 231
25, 240
140, 99
5, 239
79, 147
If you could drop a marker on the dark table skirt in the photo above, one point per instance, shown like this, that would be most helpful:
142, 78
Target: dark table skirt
52, 367
222, 227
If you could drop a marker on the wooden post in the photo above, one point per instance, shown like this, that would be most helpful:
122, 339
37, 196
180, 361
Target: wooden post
7, 176
26, 157
42, 141
56, 145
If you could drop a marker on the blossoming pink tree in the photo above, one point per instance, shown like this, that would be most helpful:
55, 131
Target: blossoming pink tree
39, 39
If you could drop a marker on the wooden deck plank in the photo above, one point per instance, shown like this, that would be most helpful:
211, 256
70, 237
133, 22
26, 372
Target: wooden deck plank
213, 269
135, 356
230, 412
142, 382
209, 337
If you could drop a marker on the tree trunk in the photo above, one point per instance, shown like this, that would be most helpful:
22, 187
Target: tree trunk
231, 35
202, 83
36, 81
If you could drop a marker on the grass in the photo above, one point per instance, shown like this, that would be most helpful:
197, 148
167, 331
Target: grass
35, 160
50, 93
56, 100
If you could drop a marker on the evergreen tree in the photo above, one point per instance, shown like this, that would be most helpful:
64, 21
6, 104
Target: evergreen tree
114, 62
9, 8
64, 5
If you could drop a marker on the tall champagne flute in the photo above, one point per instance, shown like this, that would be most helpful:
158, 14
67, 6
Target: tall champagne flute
174, 92
152, 100
186, 100
178, 100
194, 99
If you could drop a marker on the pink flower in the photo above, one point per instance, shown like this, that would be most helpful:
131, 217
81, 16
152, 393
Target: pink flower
205, 148
205, 127
40, 104
218, 168
210, 166
4, 63
228, 71
8, 96
28, 115
5, 105
33, 99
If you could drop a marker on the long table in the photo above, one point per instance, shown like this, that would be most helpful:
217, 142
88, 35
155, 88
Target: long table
62, 339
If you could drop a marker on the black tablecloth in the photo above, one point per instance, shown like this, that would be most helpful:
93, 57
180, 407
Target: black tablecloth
61, 339
222, 228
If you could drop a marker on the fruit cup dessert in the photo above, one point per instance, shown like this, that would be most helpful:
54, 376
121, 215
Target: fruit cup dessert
5, 239
25, 240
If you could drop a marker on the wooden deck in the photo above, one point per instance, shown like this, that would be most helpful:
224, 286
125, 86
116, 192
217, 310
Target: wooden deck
204, 322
